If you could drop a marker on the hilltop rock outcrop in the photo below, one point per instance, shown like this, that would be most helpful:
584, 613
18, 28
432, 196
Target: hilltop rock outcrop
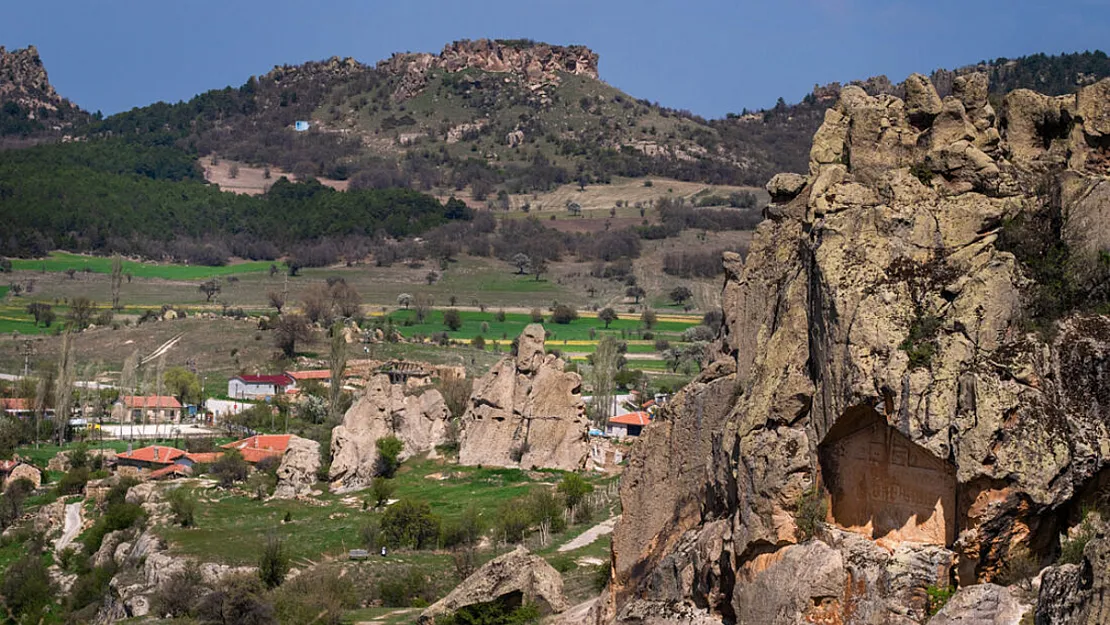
517, 576
526, 412
420, 420
536, 63
877, 417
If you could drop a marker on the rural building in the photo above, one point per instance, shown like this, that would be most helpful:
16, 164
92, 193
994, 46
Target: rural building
148, 408
261, 446
257, 386
630, 424
152, 457
192, 460
20, 407
171, 472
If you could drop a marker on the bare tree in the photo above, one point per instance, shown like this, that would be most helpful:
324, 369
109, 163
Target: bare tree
404, 299
277, 300
423, 305
316, 303
522, 262
63, 388
346, 300
605, 361
290, 330
210, 289
337, 358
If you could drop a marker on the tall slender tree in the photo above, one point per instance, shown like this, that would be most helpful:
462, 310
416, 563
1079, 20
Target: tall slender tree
338, 361
63, 388
117, 280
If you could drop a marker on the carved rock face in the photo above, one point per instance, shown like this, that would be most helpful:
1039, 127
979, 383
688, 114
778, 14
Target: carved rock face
879, 290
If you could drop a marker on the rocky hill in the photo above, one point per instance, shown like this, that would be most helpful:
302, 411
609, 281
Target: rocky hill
907, 399
29, 106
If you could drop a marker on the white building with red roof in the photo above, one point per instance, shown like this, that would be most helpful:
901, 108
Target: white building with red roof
628, 424
258, 386
146, 409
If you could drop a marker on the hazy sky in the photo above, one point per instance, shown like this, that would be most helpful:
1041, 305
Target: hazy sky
711, 57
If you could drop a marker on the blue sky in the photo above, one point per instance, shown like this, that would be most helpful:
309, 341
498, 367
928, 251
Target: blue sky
710, 57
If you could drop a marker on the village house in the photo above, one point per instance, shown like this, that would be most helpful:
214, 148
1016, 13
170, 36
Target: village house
153, 457
260, 446
20, 407
146, 408
630, 424
258, 386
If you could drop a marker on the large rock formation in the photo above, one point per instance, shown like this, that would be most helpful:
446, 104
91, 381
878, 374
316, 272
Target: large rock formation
23, 81
516, 577
297, 473
419, 420
535, 63
877, 417
526, 412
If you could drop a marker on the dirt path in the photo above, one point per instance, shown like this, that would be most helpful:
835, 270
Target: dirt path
589, 536
72, 527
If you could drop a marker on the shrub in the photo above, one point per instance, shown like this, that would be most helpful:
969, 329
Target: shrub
492, 613
513, 521
1020, 567
73, 482
500, 316
546, 506
177, 596
382, 489
406, 589
536, 315
318, 596
452, 319
389, 452
574, 489
937, 597
240, 598
230, 468
812, 509
269, 465
466, 530
27, 588
410, 523
370, 534
183, 506
273, 564
1071, 548
564, 314
119, 516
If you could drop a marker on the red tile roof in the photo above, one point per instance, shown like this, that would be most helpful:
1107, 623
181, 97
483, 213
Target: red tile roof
150, 401
276, 380
207, 457
632, 418
261, 446
165, 455
318, 374
6, 466
174, 470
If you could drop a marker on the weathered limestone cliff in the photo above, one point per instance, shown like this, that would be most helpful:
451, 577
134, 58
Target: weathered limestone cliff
535, 63
420, 421
878, 417
526, 412
23, 79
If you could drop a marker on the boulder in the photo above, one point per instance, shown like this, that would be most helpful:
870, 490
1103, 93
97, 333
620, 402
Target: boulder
1078, 594
982, 604
59, 463
516, 576
785, 187
384, 409
526, 412
1093, 104
922, 102
297, 473
24, 472
49, 518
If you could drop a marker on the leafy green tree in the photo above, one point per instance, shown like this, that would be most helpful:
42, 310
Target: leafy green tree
607, 316
27, 588
410, 523
452, 319
389, 453
183, 384
230, 468
574, 489
382, 489
681, 294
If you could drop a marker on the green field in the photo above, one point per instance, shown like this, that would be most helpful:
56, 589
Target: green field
577, 330
232, 528
61, 261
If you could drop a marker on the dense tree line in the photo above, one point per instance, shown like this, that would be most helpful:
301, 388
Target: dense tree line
129, 197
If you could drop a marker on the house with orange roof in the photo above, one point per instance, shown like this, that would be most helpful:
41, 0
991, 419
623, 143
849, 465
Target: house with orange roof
146, 408
170, 472
260, 446
19, 407
152, 457
258, 386
629, 424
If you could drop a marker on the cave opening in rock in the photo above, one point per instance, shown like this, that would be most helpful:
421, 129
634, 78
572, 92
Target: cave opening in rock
883, 485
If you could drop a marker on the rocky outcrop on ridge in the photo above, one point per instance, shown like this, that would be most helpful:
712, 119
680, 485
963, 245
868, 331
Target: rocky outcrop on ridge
420, 420
536, 63
526, 412
297, 473
518, 576
877, 417
23, 81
